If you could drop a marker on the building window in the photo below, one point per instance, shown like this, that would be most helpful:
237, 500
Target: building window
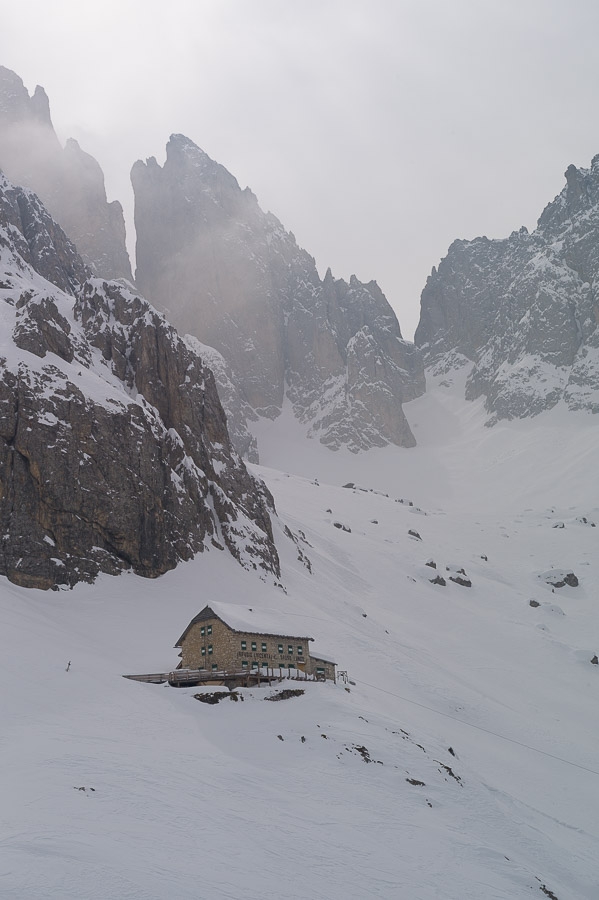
209, 629
254, 645
300, 651
291, 666
210, 648
244, 645
214, 666
244, 663
254, 665
202, 631
263, 647
319, 670
290, 649
203, 651
280, 648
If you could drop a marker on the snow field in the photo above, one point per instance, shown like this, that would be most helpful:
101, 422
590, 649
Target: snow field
192, 800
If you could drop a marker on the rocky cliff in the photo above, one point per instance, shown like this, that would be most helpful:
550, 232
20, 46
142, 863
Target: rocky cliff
69, 181
524, 310
229, 274
114, 450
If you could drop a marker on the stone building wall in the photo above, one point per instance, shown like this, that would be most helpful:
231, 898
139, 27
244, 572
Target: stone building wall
321, 668
212, 644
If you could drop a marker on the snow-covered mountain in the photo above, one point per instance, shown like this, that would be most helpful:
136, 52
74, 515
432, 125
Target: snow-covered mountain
460, 762
115, 450
69, 181
454, 582
524, 309
230, 275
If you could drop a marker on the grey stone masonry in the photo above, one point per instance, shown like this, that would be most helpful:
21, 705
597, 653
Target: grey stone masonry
322, 668
208, 643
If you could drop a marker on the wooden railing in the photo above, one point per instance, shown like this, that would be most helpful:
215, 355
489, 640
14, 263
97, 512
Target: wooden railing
197, 676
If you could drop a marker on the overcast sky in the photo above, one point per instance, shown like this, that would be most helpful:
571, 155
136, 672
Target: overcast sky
376, 130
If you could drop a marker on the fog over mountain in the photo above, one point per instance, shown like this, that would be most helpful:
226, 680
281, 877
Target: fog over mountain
114, 447
447, 570
230, 275
69, 181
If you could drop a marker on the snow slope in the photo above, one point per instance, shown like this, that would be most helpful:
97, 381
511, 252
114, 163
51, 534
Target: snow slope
227, 801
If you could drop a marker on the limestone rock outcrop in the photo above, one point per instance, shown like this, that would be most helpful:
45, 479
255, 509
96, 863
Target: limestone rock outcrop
525, 309
114, 449
69, 181
238, 410
230, 275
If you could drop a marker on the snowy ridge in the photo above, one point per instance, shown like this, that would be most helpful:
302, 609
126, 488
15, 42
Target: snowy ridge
114, 443
524, 309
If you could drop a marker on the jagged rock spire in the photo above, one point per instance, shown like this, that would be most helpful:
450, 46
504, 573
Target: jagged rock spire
229, 274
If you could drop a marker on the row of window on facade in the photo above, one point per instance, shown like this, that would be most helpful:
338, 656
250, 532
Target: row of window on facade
256, 665
254, 645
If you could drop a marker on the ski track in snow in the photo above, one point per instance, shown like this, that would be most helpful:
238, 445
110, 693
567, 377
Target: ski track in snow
194, 801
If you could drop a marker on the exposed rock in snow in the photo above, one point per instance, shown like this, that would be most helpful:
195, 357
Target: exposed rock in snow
114, 450
238, 410
69, 181
559, 578
524, 309
229, 274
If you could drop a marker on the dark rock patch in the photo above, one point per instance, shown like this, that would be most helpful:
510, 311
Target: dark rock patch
449, 771
547, 892
216, 696
438, 579
461, 580
560, 579
285, 695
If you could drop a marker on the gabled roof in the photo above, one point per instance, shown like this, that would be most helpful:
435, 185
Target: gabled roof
243, 619
316, 656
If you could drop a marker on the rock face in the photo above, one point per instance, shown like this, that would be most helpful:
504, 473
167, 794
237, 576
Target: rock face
69, 182
239, 412
229, 274
524, 309
114, 450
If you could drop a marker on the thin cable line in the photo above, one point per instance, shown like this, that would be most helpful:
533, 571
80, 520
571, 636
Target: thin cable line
480, 728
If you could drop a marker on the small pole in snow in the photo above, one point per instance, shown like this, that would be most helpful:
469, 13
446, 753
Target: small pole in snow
68, 666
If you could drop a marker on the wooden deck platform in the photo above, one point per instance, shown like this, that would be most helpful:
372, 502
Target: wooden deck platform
229, 678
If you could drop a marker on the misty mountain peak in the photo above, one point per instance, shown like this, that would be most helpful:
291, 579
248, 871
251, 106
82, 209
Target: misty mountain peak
69, 181
40, 105
114, 446
523, 309
183, 154
232, 276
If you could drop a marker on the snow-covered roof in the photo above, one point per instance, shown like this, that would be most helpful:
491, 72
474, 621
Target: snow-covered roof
316, 654
245, 619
